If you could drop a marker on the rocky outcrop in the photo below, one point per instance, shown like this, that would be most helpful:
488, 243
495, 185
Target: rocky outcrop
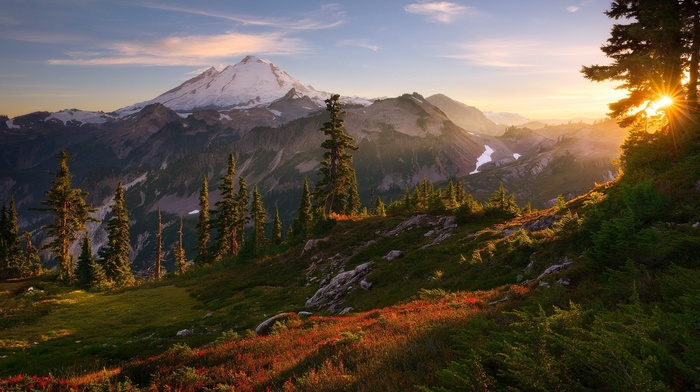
330, 296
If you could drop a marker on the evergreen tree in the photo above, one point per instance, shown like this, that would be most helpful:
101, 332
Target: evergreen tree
226, 212
650, 54
4, 265
115, 254
158, 265
203, 226
449, 198
501, 201
70, 214
336, 169
302, 224
179, 251
276, 234
259, 218
90, 272
352, 204
379, 207
242, 218
31, 262
12, 256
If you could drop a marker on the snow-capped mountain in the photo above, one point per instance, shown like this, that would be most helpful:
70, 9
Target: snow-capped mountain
253, 82
506, 118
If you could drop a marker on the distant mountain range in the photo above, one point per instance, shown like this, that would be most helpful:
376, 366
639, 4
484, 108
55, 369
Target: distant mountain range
161, 148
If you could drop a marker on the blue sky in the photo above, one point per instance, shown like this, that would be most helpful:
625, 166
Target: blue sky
519, 56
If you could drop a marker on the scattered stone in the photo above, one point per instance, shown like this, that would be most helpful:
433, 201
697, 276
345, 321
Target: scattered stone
345, 311
544, 284
498, 301
556, 268
310, 244
393, 255
531, 264
208, 315
414, 221
519, 279
266, 326
184, 332
428, 234
329, 295
545, 222
696, 225
365, 285
564, 282
304, 314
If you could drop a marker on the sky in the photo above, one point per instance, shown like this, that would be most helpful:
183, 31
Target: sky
520, 56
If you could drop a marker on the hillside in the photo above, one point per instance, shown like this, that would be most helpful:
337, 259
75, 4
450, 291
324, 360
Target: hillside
597, 294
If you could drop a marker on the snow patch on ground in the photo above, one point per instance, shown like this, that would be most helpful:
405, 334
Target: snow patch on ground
516, 156
484, 158
277, 113
81, 115
11, 124
193, 212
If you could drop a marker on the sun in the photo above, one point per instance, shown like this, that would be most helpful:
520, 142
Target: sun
662, 103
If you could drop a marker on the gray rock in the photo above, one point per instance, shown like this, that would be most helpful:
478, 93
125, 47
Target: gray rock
184, 332
345, 311
365, 285
393, 255
304, 314
265, 327
330, 295
519, 279
545, 222
556, 268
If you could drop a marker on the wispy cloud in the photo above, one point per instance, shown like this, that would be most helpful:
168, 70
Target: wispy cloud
328, 16
44, 37
573, 8
512, 53
439, 11
360, 43
192, 50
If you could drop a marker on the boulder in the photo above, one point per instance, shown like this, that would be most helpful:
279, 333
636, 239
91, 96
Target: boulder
266, 326
329, 296
393, 255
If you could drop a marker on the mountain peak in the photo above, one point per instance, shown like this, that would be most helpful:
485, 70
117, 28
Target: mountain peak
250, 83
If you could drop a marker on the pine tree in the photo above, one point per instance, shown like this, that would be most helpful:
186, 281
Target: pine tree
226, 211
649, 54
179, 251
4, 271
70, 214
449, 198
115, 254
242, 218
157, 273
379, 207
501, 201
336, 169
203, 226
259, 218
90, 272
276, 234
12, 256
31, 265
302, 224
352, 204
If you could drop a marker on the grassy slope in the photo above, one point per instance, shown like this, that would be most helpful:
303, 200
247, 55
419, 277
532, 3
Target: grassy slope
393, 334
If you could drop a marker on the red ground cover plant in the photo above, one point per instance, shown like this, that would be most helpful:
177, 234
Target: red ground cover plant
394, 348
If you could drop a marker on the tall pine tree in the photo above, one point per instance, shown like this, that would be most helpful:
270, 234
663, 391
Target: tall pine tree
242, 217
336, 170
179, 251
226, 213
70, 214
158, 265
115, 255
258, 216
203, 226
276, 234
302, 224
90, 272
